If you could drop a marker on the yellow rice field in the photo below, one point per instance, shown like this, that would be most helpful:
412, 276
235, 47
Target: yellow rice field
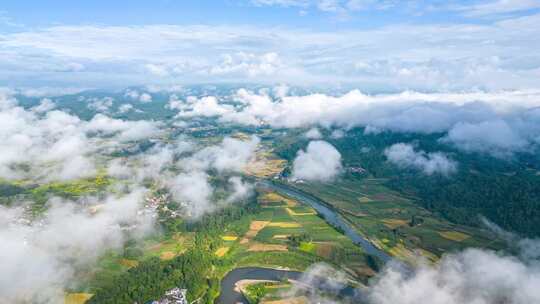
77, 298
271, 197
280, 236
222, 251
267, 247
167, 255
455, 236
394, 223
229, 238
285, 225
364, 199
291, 212
129, 263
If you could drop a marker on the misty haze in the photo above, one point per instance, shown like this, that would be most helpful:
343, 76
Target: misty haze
270, 152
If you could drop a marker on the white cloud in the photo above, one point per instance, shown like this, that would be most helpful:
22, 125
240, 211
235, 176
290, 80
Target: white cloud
123, 129
495, 136
100, 104
136, 95
250, 65
145, 97
471, 276
281, 90
133, 94
191, 187
45, 105
328, 6
284, 3
337, 134
329, 282
194, 191
126, 107
152, 164
207, 106
497, 7
467, 117
240, 189
500, 55
313, 133
58, 145
158, 70
319, 162
56, 137
49, 91
231, 155
175, 103
405, 156
42, 257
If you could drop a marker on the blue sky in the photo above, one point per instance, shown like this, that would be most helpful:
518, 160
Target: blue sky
320, 14
371, 44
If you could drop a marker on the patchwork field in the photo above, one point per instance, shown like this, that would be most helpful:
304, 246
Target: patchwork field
265, 165
169, 248
267, 247
129, 263
282, 233
229, 238
277, 237
298, 211
222, 251
77, 298
454, 235
393, 222
273, 199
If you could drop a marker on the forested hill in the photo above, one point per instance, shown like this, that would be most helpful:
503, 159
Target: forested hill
504, 190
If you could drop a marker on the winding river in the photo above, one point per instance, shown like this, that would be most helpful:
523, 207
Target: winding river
228, 293
330, 216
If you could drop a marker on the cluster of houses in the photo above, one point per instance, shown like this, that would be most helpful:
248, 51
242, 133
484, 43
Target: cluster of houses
358, 170
173, 296
159, 203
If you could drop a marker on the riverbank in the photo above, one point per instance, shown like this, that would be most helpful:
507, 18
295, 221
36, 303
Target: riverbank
331, 216
231, 292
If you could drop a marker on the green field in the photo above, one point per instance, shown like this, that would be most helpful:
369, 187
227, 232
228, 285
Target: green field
394, 222
323, 242
291, 235
271, 236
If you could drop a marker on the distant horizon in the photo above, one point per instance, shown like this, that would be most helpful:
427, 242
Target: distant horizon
270, 151
371, 45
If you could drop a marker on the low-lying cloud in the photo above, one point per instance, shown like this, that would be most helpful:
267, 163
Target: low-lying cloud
194, 191
495, 136
405, 156
498, 123
41, 257
313, 133
57, 145
471, 276
230, 155
319, 162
